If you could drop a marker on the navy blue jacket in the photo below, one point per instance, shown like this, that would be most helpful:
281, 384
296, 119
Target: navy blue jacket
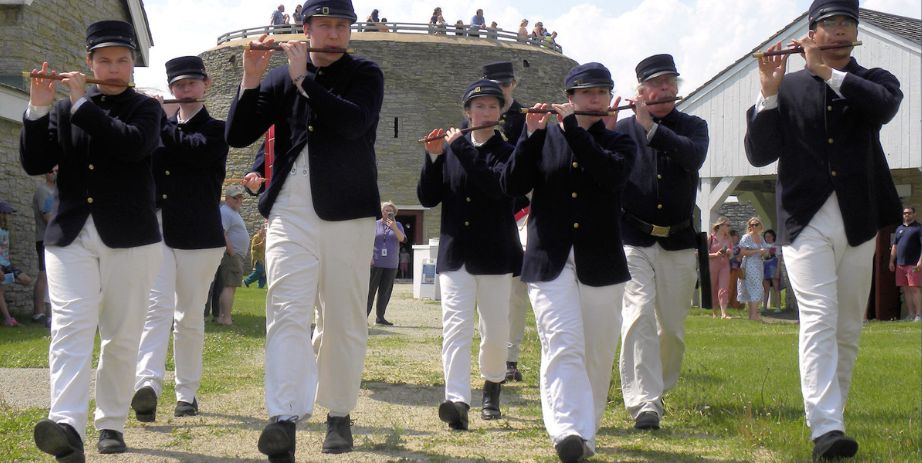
577, 177
825, 144
338, 123
478, 222
663, 182
103, 152
189, 172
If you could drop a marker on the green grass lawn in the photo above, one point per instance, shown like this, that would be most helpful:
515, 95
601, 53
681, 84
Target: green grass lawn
738, 398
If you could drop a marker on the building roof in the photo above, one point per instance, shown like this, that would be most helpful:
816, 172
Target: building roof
907, 28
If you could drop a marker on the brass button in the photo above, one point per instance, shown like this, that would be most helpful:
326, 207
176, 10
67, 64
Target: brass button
830, 141
89, 200
468, 199
573, 195
829, 108
467, 224
163, 196
575, 164
166, 173
310, 128
575, 225
833, 173
91, 167
659, 177
659, 206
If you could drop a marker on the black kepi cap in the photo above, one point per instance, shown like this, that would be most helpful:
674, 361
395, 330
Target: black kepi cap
587, 76
821, 9
102, 34
483, 87
655, 66
500, 71
334, 8
185, 67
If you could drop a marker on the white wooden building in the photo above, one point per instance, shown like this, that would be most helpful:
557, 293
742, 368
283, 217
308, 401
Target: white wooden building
890, 42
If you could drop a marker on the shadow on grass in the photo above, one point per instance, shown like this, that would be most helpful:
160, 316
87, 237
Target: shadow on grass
417, 395
618, 454
245, 324
191, 457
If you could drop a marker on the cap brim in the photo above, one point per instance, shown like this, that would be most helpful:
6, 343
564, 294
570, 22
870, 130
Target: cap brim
660, 73
188, 76
829, 14
111, 44
350, 18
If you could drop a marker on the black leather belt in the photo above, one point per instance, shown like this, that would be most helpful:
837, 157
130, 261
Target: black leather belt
659, 231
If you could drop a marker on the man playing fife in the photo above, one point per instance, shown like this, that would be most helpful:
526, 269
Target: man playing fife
822, 124
321, 205
659, 241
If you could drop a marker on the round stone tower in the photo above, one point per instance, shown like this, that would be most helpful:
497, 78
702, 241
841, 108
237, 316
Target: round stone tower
424, 77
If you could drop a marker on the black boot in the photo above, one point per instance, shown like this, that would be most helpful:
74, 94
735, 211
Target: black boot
512, 371
833, 446
339, 435
111, 441
455, 414
572, 449
144, 404
185, 408
60, 440
278, 441
490, 409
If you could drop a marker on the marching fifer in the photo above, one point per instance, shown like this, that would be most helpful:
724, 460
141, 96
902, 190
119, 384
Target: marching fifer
822, 124
321, 204
659, 240
188, 169
101, 251
574, 264
479, 250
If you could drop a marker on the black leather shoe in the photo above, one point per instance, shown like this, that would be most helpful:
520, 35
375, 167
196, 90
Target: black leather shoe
455, 414
383, 322
277, 441
490, 410
571, 449
60, 440
111, 442
185, 408
834, 445
647, 421
339, 435
512, 371
144, 404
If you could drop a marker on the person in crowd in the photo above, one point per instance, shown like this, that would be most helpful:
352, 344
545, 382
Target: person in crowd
537, 33
382, 26
735, 260
719, 248
371, 22
236, 240
388, 236
8, 272
257, 259
101, 248
459, 28
321, 213
575, 271
752, 250
189, 168
906, 261
771, 273
523, 31
659, 240
437, 22
491, 30
44, 204
278, 17
479, 250
822, 125
404, 262
478, 22
297, 16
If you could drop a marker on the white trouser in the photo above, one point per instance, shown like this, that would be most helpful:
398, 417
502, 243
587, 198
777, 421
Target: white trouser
653, 330
309, 259
461, 293
94, 286
176, 299
578, 329
832, 281
518, 308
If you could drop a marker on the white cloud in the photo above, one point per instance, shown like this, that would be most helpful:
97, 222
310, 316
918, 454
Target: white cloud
705, 36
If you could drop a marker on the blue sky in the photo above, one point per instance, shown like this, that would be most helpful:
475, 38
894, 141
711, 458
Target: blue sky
705, 36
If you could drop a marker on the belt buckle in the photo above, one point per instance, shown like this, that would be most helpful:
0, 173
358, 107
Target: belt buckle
660, 231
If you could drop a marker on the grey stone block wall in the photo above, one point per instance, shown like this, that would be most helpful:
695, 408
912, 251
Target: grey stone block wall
423, 85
